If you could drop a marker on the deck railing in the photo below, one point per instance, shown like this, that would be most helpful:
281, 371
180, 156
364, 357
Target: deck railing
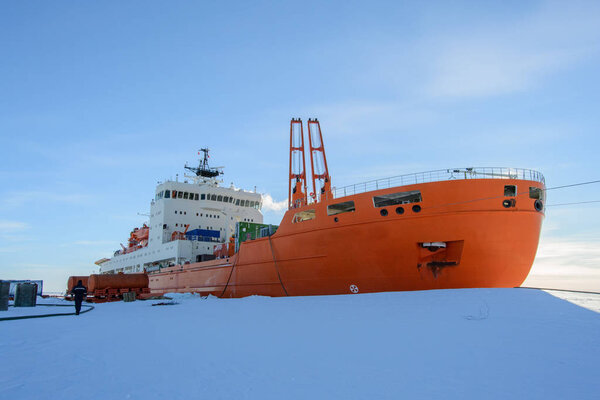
440, 175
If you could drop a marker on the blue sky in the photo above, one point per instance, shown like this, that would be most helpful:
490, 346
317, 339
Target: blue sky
100, 100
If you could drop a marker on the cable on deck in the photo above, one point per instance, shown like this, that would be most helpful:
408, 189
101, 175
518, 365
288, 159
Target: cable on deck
48, 315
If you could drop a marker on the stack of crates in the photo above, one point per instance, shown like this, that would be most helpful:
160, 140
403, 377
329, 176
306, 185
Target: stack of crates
128, 297
4, 291
250, 230
26, 295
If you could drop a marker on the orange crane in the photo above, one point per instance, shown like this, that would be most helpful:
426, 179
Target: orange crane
318, 161
297, 184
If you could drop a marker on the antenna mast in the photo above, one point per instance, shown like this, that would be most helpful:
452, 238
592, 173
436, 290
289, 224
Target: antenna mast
203, 169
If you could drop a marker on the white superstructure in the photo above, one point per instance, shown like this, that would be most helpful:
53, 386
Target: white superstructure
187, 220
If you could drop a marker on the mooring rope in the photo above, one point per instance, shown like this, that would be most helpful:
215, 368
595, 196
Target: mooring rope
558, 290
276, 267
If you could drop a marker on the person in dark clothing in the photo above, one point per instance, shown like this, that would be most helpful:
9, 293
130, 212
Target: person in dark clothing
79, 291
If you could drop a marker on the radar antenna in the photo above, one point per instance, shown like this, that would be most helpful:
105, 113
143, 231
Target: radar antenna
203, 168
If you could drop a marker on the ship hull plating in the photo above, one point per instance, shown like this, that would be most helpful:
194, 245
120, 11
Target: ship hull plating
462, 237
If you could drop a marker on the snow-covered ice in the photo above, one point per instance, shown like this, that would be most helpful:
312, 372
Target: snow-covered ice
470, 343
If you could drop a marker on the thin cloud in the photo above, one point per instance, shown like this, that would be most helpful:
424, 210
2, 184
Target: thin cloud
16, 199
353, 118
12, 226
567, 257
93, 242
14, 249
89, 243
513, 58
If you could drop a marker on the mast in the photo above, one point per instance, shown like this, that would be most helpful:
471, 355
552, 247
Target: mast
203, 170
318, 161
297, 178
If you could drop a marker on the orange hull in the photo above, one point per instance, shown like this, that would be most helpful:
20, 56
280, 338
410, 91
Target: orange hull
487, 245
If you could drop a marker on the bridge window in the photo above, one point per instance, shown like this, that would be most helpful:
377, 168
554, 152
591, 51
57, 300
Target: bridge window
202, 196
179, 195
510, 190
174, 194
392, 199
304, 216
167, 194
195, 196
226, 199
213, 197
247, 203
237, 202
219, 198
339, 208
185, 195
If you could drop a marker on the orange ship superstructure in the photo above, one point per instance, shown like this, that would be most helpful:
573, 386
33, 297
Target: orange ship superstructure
453, 228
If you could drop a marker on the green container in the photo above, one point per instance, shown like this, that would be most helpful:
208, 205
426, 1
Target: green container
245, 231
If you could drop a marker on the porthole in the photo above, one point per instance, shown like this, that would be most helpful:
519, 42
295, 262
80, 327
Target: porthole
335, 219
399, 210
383, 212
416, 208
508, 203
539, 206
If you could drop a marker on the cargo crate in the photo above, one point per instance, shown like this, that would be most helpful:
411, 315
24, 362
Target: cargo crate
245, 231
